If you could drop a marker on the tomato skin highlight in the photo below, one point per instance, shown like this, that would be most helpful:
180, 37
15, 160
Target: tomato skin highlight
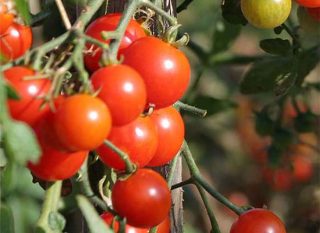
82, 122
266, 13
109, 22
123, 90
149, 205
164, 69
258, 221
138, 139
15, 41
27, 108
170, 131
309, 3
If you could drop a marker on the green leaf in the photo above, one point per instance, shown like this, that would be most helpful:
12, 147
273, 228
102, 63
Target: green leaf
95, 223
11, 92
224, 35
9, 178
268, 74
20, 143
7, 222
3, 158
231, 11
276, 46
56, 221
213, 105
22, 7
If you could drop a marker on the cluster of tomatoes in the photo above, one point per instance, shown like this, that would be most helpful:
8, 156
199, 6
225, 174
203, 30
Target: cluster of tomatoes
271, 14
15, 38
131, 108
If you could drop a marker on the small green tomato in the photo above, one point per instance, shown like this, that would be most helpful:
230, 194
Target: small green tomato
266, 13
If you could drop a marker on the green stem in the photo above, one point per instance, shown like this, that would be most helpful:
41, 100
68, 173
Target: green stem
184, 5
294, 37
130, 167
183, 183
189, 108
196, 175
50, 204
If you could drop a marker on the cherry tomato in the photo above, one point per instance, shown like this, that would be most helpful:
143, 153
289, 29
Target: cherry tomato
170, 130
55, 164
309, 3
15, 41
82, 122
109, 23
302, 168
146, 207
314, 13
138, 139
266, 13
6, 18
165, 69
258, 221
164, 226
27, 108
279, 179
123, 90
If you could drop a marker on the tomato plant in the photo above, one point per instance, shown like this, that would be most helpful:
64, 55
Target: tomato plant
82, 122
302, 168
170, 131
165, 69
258, 220
266, 14
30, 90
309, 3
135, 206
123, 90
15, 41
6, 18
138, 139
109, 22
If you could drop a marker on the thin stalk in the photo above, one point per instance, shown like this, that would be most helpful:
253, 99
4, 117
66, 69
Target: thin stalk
63, 14
172, 168
196, 111
183, 183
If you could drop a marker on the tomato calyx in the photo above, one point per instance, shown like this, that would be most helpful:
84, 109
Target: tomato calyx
171, 35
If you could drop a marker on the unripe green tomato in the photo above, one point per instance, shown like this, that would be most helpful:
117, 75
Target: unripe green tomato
266, 13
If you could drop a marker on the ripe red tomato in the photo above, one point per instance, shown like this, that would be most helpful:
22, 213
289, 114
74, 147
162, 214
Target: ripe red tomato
109, 23
266, 13
302, 168
6, 18
16, 40
309, 3
165, 69
55, 164
82, 122
258, 221
279, 179
146, 207
138, 139
170, 131
27, 108
123, 90
314, 13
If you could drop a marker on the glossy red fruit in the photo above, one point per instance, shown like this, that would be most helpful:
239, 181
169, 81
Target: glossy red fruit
56, 165
164, 68
138, 139
27, 108
302, 168
123, 90
309, 3
170, 131
6, 18
146, 207
82, 122
15, 41
314, 13
279, 179
109, 23
258, 221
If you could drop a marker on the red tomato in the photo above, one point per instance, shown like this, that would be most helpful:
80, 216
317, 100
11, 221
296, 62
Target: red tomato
165, 69
123, 90
302, 168
27, 108
138, 139
6, 18
82, 122
164, 226
15, 41
279, 179
55, 164
258, 221
170, 130
314, 13
309, 3
148, 205
109, 23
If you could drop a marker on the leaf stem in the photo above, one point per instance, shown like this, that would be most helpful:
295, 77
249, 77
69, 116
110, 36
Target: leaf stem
189, 108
